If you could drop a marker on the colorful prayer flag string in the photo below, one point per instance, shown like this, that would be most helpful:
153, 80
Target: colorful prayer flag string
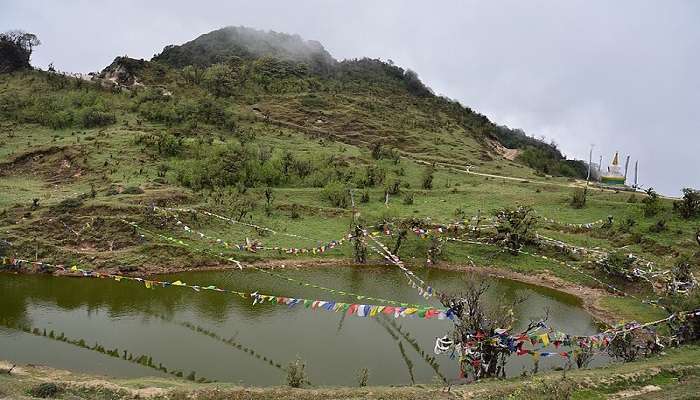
360, 310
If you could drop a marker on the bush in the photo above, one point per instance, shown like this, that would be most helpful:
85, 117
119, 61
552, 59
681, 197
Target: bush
68, 205
578, 199
408, 199
92, 117
45, 390
651, 204
362, 377
337, 193
619, 265
427, 180
364, 198
630, 345
294, 213
514, 227
132, 190
296, 376
689, 206
394, 187
625, 226
659, 226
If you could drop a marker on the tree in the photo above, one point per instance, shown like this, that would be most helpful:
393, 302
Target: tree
360, 246
475, 323
220, 79
427, 181
652, 204
192, 74
514, 227
16, 50
689, 206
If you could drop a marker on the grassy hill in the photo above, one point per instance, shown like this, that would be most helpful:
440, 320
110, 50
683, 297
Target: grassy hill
269, 129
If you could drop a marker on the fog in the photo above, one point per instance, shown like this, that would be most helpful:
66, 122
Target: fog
617, 75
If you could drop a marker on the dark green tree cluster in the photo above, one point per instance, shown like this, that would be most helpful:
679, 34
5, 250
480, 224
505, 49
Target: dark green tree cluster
16, 50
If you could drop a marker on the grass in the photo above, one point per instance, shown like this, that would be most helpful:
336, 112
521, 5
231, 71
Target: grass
676, 374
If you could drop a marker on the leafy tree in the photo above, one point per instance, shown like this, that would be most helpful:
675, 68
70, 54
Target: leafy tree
514, 227
337, 193
193, 75
651, 204
689, 206
16, 50
220, 79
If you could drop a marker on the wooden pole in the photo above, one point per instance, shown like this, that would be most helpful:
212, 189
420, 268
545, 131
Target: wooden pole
636, 165
627, 163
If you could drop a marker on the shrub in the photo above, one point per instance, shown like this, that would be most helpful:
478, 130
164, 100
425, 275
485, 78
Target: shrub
394, 187
625, 226
619, 265
427, 180
630, 345
132, 190
362, 377
294, 213
337, 194
296, 376
91, 117
408, 199
659, 226
68, 205
578, 199
220, 79
45, 390
651, 204
689, 206
583, 357
364, 198
514, 227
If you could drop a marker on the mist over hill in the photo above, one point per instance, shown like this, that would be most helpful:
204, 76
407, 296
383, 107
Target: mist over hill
292, 55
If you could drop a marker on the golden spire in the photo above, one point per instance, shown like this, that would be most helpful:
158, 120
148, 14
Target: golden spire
615, 160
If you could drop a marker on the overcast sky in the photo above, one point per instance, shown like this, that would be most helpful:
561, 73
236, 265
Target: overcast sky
622, 75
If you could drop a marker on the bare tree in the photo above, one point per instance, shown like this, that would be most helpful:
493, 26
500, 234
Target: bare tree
474, 322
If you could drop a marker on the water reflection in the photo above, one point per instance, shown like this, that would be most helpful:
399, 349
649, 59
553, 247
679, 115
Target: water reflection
163, 323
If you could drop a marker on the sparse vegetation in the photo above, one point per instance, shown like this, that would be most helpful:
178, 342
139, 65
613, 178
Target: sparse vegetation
46, 390
578, 199
296, 374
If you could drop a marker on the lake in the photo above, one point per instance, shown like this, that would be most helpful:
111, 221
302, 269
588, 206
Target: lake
161, 323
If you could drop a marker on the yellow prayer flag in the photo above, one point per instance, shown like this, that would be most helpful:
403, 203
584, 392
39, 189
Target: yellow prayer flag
545, 339
74, 268
373, 311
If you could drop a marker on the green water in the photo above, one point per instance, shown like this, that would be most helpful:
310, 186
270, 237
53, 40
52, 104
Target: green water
127, 316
